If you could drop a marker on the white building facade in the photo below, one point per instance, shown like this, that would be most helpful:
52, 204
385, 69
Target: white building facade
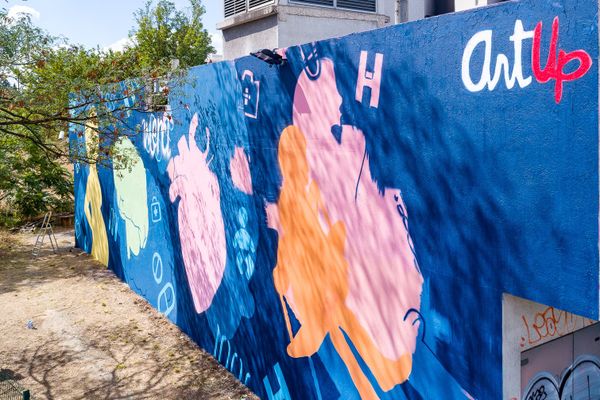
251, 25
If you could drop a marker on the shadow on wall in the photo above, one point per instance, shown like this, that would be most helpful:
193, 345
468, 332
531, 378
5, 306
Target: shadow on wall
350, 228
449, 193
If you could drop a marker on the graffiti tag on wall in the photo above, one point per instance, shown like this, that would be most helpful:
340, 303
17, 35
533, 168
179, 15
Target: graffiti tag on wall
549, 323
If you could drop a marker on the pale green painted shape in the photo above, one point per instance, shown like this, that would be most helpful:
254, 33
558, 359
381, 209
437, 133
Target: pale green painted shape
132, 197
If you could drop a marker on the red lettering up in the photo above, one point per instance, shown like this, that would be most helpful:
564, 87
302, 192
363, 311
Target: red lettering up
555, 67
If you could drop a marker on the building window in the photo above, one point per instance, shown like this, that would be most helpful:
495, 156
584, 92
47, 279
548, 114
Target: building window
234, 7
359, 5
317, 2
355, 5
256, 3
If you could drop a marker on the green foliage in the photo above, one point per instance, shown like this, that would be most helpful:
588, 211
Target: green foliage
165, 33
39, 75
48, 86
30, 182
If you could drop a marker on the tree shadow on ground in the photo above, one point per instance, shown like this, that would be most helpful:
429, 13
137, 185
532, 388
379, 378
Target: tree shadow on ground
105, 369
20, 269
69, 359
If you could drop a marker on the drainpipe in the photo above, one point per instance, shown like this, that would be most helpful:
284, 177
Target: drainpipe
401, 12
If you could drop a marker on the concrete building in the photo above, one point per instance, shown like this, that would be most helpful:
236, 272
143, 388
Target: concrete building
250, 25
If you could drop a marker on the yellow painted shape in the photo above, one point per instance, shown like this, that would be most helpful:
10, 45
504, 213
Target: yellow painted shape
92, 205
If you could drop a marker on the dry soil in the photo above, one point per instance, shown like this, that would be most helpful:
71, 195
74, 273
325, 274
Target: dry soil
93, 337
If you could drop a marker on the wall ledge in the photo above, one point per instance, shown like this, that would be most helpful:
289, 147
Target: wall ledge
250, 16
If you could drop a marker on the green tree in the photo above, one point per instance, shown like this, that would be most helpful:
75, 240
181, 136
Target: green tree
31, 178
164, 33
30, 182
39, 77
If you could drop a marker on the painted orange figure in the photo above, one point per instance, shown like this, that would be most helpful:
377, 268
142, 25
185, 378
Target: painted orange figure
312, 275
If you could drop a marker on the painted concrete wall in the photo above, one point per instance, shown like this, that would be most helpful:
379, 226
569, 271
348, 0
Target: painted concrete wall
241, 40
346, 226
423, 8
461, 5
308, 24
565, 368
290, 23
287, 24
526, 325
384, 7
417, 9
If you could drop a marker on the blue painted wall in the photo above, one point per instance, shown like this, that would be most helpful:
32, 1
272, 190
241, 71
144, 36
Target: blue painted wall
495, 190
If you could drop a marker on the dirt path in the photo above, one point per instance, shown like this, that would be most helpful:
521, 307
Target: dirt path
94, 338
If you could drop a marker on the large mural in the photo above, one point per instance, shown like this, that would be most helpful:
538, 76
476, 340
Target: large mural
343, 226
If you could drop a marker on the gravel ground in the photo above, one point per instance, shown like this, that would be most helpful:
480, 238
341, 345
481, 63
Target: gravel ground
93, 337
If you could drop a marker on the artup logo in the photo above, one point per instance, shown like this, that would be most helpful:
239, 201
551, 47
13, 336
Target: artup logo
555, 68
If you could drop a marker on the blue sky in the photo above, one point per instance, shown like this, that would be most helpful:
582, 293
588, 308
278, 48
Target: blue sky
102, 22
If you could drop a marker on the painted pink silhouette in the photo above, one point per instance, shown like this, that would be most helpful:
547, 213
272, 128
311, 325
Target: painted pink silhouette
201, 227
385, 282
240, 171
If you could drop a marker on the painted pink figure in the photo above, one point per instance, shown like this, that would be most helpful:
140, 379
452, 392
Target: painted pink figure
384, 280
240, 171
201, 227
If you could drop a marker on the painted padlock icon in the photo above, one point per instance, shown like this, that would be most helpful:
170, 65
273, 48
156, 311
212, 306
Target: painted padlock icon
155, 209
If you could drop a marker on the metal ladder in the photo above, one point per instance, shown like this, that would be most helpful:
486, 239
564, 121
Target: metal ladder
45, 229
